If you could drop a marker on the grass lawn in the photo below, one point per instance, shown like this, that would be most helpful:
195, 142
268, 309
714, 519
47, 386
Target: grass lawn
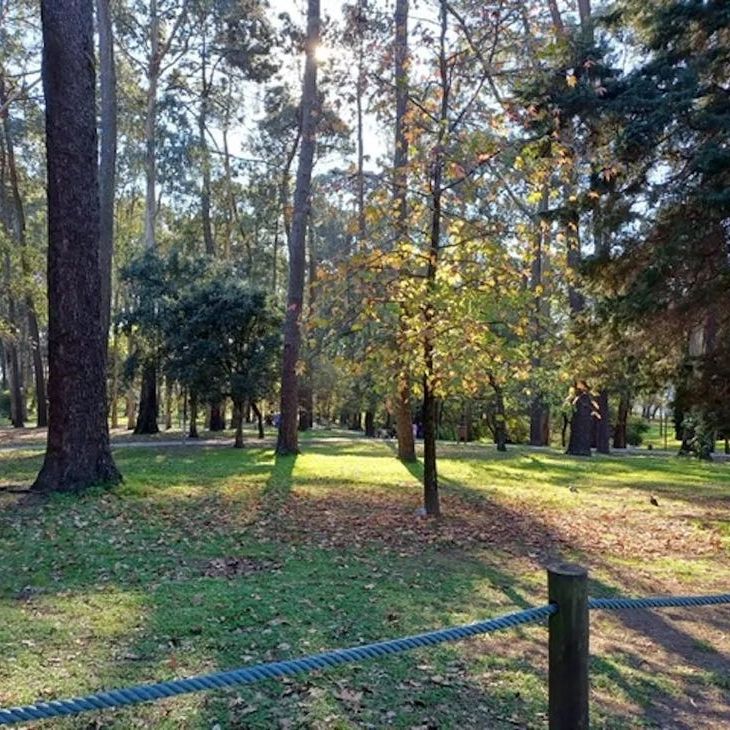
211, 558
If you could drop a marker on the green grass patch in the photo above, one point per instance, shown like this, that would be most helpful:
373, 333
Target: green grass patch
198, 562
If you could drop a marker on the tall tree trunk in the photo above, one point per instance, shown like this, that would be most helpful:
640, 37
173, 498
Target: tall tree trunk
403, 415
114, 390
404, 420
581, 422
236, 416
500, 419
306, 385
539, 409
205, 155
259, 419
3, 368
130, 401
284, 184
131, 409
217, 421
539, 422
150, 130
287, 442
169, 397
19, 234
147, 412
359, 91
77, 451
12, 352
38, 370
147, 415
107, 156
13, 357
430, 475
622, 418
603, 424
370, 423
193, 433
238, 444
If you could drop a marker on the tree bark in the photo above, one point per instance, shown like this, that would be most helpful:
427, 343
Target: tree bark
238, 444
217, 416
205, 155
581, 422
500, 420
32, 318
147, 414
403, 416
131, 409
107, 157
370, 423
236, 416
193, 433
259, 419
622, 417
287, 442
430, 475
539, 422
12, 355
130, 403
359, 90
77, 451
169, 397
539, 409
150, 128
38, 369
404, 421
114, 390
603, 424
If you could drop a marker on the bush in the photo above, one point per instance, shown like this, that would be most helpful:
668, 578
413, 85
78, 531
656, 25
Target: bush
635, 430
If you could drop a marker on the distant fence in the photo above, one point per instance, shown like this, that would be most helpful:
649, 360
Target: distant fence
567, 614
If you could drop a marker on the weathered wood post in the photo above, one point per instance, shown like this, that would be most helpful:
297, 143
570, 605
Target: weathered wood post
568, 648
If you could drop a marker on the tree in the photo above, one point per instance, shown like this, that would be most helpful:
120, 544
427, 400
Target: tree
77, 452
406, 446
107, 157
288, 441
159, 48
14, 221
222, 340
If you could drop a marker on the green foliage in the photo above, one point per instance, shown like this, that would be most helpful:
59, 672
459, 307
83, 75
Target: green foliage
699, 435
206, 328
636, 428
220, 339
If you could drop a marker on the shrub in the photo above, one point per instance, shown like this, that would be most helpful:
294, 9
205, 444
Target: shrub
635, 430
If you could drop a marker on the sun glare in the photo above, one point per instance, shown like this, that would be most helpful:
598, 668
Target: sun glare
322, 53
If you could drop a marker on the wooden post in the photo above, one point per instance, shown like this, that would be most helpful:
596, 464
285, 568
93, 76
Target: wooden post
568, 648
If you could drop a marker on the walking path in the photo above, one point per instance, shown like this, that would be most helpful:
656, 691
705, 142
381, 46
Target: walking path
34, 440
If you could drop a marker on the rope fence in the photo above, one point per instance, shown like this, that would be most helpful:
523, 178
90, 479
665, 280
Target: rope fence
562, 583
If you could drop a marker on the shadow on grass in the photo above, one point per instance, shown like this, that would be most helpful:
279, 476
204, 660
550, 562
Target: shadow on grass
647, 677
295, 598
279, 484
